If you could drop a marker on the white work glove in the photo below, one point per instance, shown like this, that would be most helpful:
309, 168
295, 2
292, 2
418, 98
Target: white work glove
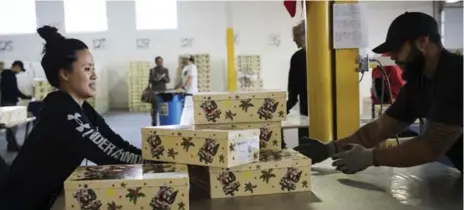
353, 158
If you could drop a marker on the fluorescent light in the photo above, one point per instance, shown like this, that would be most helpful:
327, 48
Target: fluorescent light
452, 1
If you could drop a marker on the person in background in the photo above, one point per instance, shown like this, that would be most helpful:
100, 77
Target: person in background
68, 130
159, 76
393, 73
189, 85
10, 95
433, 90
297, 81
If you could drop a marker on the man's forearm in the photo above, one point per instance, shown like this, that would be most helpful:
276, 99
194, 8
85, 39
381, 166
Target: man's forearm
410, 153
373, 133
428, 147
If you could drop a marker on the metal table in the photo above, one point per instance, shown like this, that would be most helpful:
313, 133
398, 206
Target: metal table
429, 187
295, 121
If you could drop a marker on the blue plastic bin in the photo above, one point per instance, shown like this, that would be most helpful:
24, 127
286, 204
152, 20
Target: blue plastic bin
170, 106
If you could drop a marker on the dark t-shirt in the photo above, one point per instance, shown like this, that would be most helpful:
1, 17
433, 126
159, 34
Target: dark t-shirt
438, 99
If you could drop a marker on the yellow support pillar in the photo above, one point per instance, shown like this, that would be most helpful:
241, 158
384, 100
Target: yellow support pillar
319, 70
231, 73
347, 109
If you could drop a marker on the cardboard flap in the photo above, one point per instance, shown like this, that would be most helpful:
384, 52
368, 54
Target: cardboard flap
271, 159
122, 176
192, 131
238, 95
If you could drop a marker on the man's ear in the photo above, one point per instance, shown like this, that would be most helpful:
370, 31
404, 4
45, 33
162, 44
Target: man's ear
422, 43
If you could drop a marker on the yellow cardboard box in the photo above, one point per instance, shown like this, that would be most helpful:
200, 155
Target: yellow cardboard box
127, 187
277, 172
270, 135
208, 147
240, 106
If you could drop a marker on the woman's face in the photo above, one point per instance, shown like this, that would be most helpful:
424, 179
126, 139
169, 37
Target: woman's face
81, 81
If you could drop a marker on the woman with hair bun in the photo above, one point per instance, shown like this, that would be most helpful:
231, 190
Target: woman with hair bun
68, 130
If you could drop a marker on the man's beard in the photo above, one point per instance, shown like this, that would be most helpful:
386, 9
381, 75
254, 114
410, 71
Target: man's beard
414, 64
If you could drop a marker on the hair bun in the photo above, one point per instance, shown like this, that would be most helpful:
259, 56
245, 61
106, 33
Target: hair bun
49, 34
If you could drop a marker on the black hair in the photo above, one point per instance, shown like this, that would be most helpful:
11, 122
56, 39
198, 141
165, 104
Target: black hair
59, 53
157, 58
192, 59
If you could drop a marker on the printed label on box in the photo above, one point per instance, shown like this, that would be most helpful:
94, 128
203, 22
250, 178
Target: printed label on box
245, 149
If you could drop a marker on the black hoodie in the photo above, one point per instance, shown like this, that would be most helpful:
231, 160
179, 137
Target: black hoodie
64, 136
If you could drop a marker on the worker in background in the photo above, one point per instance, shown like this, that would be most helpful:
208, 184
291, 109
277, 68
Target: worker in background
10, 95
159, 76
297, 81
68, 130
189, 85
381, 86
434, 90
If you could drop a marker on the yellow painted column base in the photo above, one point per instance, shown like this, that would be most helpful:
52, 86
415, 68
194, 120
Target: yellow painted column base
319, 70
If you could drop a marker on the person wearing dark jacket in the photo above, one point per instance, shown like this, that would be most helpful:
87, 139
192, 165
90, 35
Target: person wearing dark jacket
10, 92
10, 95
297, 81
68, 130
158, 77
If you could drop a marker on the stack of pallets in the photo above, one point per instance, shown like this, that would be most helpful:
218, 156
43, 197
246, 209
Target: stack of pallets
137, 82
249, 72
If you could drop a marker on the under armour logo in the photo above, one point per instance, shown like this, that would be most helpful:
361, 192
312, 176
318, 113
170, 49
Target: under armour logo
76, 117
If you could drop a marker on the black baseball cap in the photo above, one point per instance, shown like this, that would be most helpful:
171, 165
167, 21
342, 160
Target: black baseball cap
407, 27
20, 64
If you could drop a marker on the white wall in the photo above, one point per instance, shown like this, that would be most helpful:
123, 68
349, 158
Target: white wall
453, 28
205, 22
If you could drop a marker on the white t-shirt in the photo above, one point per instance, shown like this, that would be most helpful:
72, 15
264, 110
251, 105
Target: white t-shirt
190, 70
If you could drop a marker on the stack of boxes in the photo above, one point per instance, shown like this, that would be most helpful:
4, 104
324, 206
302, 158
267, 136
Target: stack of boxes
230, 151
138, 81
234, 148
203, 63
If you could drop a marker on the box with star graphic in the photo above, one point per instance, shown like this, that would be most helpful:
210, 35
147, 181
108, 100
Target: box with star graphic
240, 106
206, 147
277, 172
270, 135
149, 186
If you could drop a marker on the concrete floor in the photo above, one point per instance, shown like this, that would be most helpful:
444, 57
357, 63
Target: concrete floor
428, 187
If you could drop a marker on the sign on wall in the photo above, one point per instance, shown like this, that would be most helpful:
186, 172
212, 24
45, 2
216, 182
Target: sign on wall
274, 40
186, 42
143, 43
99, 44
350, 26
6, 45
